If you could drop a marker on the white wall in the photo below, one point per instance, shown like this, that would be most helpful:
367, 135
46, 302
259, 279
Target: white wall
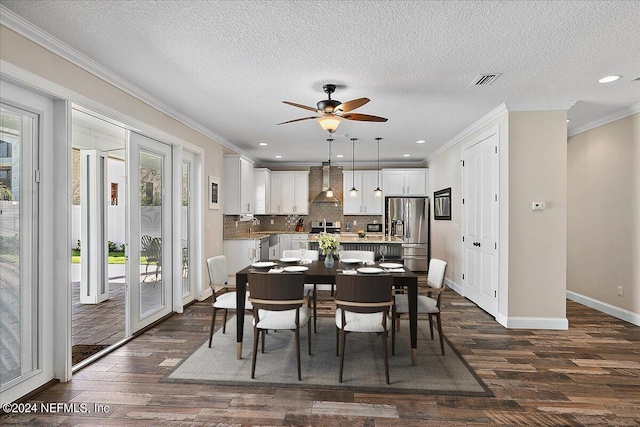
604, 215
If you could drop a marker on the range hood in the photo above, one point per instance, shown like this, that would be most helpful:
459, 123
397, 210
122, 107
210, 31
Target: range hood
326, 184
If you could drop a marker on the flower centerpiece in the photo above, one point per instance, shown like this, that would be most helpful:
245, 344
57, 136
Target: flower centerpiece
329, 244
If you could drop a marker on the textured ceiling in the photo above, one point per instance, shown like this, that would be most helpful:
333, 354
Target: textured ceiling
229, 64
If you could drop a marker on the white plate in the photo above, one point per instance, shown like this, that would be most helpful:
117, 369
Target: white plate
263, 264
350, 260
369, 270
390, 265
294, 268
289, 259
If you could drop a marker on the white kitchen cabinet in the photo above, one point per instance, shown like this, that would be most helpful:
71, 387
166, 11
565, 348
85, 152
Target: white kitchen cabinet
262, 187
405, 182
238, 190
290, 192
285, 243
299, 241
365, 203
237, 253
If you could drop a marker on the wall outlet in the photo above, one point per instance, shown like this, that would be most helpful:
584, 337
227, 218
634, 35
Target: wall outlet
271, 222
620, 291
236, 224
355, 222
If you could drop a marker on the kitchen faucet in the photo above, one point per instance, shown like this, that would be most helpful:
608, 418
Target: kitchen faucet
324, 225
254, 221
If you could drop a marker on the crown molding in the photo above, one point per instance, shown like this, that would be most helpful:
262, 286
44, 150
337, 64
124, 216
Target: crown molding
475, 126
620, 114
16, 23
540, 106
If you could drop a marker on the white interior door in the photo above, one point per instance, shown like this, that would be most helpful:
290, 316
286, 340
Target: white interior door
149, 231
480, 222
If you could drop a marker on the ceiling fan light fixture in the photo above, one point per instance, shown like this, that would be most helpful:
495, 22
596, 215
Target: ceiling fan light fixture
329, 122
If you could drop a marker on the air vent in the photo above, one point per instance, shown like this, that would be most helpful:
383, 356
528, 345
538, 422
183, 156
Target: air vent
484, 79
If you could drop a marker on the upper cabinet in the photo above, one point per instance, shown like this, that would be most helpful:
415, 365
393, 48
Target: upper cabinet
405, 182
238, 186
262, 186
290, 192
365, 203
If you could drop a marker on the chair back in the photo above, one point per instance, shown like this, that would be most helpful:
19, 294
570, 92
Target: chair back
301, 253
218, 274
435, 275
276, 292
361, 255
364, 293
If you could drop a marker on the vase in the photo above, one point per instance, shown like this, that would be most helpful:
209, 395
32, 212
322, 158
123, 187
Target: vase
328, 260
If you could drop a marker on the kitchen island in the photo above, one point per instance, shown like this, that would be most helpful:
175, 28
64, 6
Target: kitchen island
370, 242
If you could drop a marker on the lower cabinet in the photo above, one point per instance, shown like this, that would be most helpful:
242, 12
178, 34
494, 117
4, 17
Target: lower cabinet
237, 253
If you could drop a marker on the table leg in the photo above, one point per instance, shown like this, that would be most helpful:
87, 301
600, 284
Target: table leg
413, 321
241, 292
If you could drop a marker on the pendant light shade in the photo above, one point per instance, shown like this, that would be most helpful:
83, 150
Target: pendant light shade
354, 191
378, 191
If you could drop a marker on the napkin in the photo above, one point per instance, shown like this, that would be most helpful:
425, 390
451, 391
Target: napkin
305, 261
396, 270
368, 262
349, 272
276, 270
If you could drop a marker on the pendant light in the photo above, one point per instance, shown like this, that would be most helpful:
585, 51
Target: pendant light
329, 189
354, 191
378, 192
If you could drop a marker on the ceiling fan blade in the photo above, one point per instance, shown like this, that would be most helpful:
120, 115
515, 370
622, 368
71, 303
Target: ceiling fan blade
315, 110
297, 120
363, 117
352, 105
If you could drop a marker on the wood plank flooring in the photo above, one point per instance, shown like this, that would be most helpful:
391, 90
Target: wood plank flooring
586, 376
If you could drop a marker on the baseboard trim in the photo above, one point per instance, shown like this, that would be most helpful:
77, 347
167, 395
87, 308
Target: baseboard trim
612, 310
552, 323
453, 285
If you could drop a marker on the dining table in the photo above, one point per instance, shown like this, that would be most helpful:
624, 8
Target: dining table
318, 273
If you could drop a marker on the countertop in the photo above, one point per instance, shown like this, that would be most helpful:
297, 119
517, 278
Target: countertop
353, 238
257, 235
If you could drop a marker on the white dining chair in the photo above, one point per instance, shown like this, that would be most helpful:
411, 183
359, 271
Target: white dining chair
219, 278
426, 303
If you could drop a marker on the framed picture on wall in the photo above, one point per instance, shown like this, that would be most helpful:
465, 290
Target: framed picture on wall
214, 192
442, 204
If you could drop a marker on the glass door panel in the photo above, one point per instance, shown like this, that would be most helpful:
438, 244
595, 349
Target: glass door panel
149, 231
186, 213
18, 233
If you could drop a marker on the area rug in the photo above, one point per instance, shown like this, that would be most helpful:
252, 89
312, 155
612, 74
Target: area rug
364, 364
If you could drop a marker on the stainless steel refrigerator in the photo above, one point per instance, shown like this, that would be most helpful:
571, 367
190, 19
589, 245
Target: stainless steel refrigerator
408, 218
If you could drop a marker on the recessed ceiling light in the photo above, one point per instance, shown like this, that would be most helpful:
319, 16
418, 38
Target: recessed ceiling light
568, 120
264, 144
278, 157
407, 155
340, 155
609, 79
422, 141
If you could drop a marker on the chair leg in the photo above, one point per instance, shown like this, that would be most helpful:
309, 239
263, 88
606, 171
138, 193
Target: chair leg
440, 332
386, 355
337, 341
398, 322
332, 289
431, 325
213, 322
297, 332
315, 312
263, 334
343, 335
393, 334
309, 336
256, 332
224, 319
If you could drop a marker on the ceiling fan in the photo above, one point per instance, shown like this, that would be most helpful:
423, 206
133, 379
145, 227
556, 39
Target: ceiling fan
333, 111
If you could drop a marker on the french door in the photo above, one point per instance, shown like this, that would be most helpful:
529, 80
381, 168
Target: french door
149, 225
480, 180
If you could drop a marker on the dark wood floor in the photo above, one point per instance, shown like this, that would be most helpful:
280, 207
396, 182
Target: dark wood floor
586, 376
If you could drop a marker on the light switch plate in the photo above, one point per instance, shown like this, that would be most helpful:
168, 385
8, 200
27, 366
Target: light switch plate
537, 206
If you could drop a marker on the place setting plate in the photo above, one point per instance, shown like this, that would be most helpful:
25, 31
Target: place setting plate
296, 268
263, 264
370, 270
390, 265
289, 260
350, 260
